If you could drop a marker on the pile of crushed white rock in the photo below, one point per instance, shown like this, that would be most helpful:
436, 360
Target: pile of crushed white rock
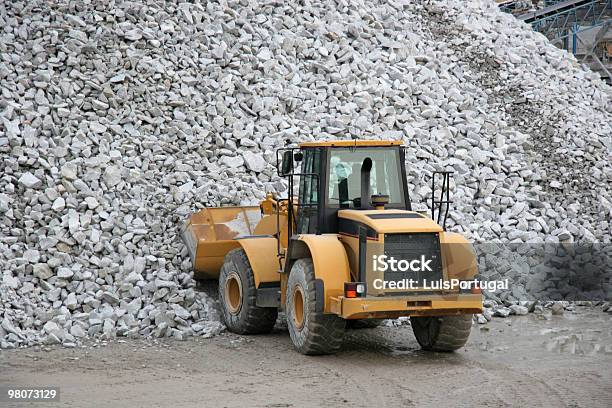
118, 119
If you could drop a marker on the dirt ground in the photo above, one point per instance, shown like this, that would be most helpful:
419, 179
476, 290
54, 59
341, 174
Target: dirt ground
520, 361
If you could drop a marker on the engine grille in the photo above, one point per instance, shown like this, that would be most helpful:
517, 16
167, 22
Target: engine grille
412, 246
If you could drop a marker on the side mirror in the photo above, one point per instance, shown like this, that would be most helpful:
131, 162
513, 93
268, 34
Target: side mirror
298, 156
287, 164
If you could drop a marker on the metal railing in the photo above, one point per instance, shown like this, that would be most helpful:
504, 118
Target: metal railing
444, 201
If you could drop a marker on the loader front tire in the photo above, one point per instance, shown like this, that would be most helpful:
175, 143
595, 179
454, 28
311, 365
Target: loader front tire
312, 332
238, 294
446, 333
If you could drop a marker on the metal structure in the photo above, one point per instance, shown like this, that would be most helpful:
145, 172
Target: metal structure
563, 22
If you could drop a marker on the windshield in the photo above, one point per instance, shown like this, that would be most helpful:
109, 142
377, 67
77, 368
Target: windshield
344, 181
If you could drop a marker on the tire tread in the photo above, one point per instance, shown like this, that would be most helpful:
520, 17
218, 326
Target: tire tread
325, 331
451, 333
258, 320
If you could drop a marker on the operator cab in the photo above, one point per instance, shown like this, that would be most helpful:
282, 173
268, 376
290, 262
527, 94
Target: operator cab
358, 175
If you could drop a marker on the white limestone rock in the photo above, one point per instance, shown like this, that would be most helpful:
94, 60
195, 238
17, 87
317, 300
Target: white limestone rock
28, 180
254, 161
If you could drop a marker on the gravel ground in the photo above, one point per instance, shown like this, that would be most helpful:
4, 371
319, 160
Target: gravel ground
520, 361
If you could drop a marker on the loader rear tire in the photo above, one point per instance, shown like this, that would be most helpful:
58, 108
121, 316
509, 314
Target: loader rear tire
312, 332
238, 294
446, 333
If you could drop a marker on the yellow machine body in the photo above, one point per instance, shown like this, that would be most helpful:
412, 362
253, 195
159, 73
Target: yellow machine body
212, 232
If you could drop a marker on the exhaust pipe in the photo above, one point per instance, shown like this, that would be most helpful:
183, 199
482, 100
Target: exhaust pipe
366, 167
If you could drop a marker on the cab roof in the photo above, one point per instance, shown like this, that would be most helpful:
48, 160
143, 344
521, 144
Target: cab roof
352, 143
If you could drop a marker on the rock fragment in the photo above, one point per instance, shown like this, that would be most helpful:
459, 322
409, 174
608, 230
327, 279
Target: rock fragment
557, 308
28, 180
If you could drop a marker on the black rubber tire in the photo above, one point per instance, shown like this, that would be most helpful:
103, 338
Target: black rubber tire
357, 324
320, 333
446, 333
249, 319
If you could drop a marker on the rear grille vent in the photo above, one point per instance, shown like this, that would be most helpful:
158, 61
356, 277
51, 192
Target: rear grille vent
413, 246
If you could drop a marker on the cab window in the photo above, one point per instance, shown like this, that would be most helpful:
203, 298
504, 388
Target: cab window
344, 180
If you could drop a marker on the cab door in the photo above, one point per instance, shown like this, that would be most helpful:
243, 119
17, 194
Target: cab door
309, 198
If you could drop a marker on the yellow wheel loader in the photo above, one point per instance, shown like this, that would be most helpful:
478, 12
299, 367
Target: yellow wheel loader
348, 247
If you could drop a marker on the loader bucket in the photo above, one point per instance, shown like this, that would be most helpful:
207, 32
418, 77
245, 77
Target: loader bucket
210, 234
